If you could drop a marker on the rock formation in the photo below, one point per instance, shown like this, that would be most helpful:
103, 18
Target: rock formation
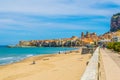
114, 28
115, 22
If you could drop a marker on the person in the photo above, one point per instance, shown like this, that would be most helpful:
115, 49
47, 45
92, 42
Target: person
103, 46
87, 62
33, 62
59, 52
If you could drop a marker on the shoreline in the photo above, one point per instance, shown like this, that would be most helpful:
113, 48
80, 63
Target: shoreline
40, 55
55, 66
14, 46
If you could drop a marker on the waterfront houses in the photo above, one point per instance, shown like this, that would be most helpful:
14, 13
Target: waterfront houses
74, 41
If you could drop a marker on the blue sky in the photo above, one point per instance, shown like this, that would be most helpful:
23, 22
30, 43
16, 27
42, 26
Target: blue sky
49, 19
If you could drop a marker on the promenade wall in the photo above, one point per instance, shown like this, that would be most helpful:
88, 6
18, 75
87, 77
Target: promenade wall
91, 72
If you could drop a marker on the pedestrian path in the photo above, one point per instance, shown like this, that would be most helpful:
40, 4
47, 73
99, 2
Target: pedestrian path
114, 55
112, 70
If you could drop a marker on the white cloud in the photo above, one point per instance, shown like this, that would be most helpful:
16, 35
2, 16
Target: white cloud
22, 18
54, 7
4, 20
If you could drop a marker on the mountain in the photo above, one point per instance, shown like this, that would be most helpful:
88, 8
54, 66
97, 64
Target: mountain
115, 22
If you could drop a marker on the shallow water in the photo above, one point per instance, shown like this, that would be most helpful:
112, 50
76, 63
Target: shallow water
10, 55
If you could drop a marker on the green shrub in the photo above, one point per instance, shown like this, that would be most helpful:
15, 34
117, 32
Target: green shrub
110, 45
114, 45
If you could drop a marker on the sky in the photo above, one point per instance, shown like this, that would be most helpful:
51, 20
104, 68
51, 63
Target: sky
53, 19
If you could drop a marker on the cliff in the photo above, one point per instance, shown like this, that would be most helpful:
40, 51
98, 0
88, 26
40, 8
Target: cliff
115, 22
114, 28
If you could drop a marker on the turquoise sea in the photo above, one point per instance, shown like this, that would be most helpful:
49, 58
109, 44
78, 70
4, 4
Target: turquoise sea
10, 55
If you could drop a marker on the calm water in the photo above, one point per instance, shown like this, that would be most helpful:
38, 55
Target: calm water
10, 55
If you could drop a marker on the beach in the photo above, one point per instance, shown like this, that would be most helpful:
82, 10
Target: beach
62, 66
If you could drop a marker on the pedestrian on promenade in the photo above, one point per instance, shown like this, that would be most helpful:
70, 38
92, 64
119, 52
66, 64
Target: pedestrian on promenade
103, 46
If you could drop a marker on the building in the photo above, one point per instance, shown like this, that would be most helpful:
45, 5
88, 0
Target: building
116, 39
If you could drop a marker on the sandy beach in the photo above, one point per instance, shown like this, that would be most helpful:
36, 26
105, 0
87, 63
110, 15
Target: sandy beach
48, 67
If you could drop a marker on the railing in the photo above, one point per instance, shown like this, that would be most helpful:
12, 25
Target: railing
91, 72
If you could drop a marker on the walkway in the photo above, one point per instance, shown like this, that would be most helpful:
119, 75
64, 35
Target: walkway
111, 67
114, 56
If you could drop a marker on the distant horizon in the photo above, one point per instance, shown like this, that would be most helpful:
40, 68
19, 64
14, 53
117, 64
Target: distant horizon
52, 19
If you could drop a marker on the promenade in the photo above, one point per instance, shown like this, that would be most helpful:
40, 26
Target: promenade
111, 62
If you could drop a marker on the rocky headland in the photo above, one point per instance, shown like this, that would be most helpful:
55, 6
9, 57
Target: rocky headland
115, 22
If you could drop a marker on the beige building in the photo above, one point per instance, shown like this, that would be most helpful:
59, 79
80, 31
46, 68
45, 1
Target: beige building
116, 39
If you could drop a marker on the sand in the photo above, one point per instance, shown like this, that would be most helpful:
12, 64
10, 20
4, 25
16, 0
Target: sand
48, 67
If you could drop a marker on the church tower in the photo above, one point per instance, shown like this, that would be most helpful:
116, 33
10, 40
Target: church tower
82, 35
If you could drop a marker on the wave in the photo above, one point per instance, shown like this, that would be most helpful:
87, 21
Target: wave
7, 58
29, 55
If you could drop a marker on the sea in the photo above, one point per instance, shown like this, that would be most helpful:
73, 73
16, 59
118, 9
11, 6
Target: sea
11, 55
